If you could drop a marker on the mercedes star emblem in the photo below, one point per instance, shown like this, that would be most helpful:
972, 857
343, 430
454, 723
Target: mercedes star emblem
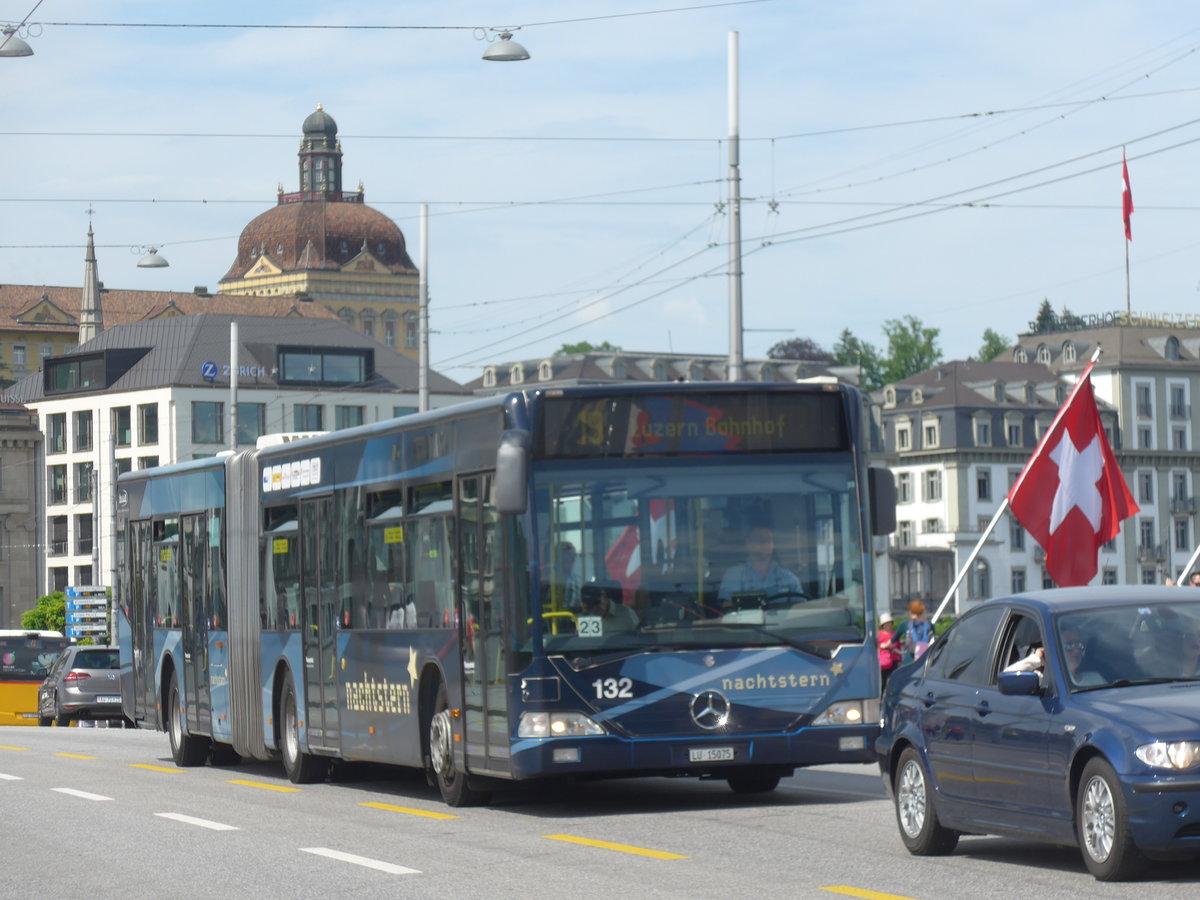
710, 710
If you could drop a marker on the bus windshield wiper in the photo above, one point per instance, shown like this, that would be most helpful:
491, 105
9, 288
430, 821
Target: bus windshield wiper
812, 648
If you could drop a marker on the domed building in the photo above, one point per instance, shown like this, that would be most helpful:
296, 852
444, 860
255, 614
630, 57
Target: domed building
327, 244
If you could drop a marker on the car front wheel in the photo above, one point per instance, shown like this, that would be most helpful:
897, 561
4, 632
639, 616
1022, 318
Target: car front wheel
1103, 822
920, 829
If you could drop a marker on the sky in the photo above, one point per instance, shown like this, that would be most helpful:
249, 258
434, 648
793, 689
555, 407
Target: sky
957, 162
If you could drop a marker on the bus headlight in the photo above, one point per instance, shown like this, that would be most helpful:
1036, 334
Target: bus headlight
1170, 755
847, 712
556, 724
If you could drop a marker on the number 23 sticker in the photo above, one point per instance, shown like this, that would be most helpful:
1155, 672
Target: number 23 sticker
613, 688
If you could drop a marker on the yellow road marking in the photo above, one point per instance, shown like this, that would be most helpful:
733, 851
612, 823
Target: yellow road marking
620, 848
265, 786
75, 756
5, 747
410, 811
153, 768
864, 893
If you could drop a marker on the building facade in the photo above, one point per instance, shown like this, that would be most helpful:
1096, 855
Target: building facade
20, 483
326, 244
958, 435
157, 392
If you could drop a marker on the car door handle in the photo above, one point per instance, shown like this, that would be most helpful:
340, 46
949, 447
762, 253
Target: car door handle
982, 708
928, 699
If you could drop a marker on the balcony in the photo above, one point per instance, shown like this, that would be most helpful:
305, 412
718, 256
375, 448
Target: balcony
1151, 552
1183, 504
1180, 411
58, 548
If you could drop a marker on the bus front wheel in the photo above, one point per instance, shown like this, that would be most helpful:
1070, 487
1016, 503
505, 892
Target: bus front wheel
301, 767
452, 783
753, 781
186, 750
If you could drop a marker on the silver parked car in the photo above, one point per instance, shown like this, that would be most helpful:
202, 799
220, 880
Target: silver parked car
84, 683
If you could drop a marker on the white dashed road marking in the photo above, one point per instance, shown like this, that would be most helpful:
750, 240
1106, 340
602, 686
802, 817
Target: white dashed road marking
4, 777
203, 823
82, 795
390, 868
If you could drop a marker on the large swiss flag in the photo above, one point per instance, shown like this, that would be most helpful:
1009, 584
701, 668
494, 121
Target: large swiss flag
1071, 496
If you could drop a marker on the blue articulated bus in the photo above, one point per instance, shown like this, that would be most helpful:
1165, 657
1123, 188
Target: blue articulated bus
650, 579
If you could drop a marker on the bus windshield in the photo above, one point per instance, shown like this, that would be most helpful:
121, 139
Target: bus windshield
682, 554
29, 659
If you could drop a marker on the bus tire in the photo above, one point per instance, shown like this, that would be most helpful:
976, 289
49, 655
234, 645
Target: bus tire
451, 783
753, 781
301, 767
187, 750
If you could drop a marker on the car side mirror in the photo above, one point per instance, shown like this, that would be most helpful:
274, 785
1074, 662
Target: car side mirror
1017, 683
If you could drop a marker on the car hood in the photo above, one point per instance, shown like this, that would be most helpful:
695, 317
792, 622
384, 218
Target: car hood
1159, 709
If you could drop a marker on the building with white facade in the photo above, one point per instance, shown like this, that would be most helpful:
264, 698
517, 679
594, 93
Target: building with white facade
161, 391
957, 435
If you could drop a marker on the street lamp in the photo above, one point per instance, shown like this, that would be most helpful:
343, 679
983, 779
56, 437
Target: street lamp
11, 43
151, 259
505, 50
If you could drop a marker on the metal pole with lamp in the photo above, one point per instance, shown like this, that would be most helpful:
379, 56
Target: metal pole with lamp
735, 221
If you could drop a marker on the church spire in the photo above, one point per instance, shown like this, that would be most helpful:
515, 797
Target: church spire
91, 322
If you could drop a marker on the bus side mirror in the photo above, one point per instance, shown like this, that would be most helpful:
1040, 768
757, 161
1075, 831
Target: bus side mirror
883, 500
512, 471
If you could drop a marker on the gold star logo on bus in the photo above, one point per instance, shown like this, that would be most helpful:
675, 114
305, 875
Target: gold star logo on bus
412, 667
836, 668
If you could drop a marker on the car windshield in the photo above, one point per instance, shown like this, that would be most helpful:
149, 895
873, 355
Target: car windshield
1135, 644
96, 659
28, 658
667, 555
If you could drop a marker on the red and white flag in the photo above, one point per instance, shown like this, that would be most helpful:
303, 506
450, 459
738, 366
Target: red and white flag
1071, 495
1126, 198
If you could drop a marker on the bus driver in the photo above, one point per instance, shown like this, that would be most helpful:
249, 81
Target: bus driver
759, 573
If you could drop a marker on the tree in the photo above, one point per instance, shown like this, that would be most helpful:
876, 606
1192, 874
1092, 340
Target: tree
586, 347
850, 351
50, 614
800, 348
912, 348
1045, 318
993, 344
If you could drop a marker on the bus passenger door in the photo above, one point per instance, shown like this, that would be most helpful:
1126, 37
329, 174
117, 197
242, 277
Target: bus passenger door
194, 603
484, 663
319, 615
141, 617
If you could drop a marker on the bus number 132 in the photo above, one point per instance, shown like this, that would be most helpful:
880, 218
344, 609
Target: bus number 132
613, 688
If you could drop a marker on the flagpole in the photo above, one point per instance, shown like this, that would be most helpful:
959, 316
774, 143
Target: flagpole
1127, 306
1018, 483
1188, 566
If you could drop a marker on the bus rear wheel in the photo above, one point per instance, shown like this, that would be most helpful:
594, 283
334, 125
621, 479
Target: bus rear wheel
186, 749
301, 767
453, 784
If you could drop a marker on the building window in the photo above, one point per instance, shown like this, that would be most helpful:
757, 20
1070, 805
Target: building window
1149, 575
904, 532
1146, 537
1014, 434
931, 434
998, 391
398, 411
58, 484
83, 534
903, 437
660, 370
308, 417
389, 333
1030, 394
1047, 581
489, 376
124, 464
83, 430
251, 422
19, 357
46, 350
545, 370
983, 434
1178, 407
981, 579
207, 422
1016, 534
1043, 354
933, 484
904, 493
1179, 438
316, 366
347, 416
1068, 352
58, 535
411, 331
1108, 576
147, 462
1145, 408
1145, 438
122, 426
933, 526
1145, 487
1018, 579
983, 484
56, 433
83, 482
1182, 534
1171, 351
1021, 355
516, 374
148, 423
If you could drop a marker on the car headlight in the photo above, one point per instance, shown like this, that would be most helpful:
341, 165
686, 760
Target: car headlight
1170, 754
847, 712
556, 724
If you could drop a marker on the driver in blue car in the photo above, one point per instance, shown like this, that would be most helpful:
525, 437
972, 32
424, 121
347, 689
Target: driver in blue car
759, 573
1074, 647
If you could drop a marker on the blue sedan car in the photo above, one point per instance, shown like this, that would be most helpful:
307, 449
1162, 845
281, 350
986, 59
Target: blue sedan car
1069, 715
